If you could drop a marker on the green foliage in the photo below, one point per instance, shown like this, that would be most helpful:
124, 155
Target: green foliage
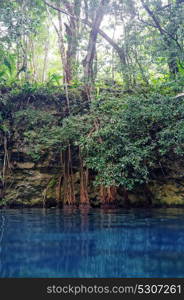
151, 51
54, 79
121, 139
20, 17
133, 136
7, 67
135, 125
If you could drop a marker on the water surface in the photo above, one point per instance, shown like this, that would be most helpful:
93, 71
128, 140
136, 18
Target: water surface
92, 243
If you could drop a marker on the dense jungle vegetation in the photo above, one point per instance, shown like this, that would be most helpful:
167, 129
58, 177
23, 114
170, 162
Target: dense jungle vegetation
95, 87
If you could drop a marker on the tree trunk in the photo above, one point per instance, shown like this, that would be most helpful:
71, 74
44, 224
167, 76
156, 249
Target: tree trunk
89, 57
46, 55
91, 50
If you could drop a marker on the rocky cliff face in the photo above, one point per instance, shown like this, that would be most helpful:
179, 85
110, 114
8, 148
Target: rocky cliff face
41, 183
26, 182
31, 184
168, 189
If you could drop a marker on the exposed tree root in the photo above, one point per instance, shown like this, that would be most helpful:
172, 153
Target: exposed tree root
84, 197
108, 195
69, 192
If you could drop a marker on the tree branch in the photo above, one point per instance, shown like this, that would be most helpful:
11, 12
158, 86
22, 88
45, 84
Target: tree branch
157, 25
152, 15
119, 50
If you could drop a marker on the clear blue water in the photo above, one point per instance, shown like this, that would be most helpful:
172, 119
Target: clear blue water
92, 243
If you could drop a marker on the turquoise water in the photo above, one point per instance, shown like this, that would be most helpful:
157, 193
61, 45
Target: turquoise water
92, 243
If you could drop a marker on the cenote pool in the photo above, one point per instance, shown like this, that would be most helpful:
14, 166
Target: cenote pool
92, 243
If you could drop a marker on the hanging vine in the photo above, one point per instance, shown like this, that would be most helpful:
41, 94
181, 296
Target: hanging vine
108, 195
69, 191
6, 167
84, 197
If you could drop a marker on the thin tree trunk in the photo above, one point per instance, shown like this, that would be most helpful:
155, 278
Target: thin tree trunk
88, 61
91, 50
117, 48
33, 60
62, 51
46, 55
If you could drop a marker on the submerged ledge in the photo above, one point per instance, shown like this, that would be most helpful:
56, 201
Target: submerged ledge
79, 206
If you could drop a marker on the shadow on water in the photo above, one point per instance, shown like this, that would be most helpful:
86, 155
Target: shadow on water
92, 243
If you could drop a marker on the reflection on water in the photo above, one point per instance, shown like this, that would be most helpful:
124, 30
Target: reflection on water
92, 243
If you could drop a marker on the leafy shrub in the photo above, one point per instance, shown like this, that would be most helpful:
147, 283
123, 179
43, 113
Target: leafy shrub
132, 136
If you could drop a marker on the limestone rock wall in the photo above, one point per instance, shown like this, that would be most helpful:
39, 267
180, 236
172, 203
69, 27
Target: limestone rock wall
31, 184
